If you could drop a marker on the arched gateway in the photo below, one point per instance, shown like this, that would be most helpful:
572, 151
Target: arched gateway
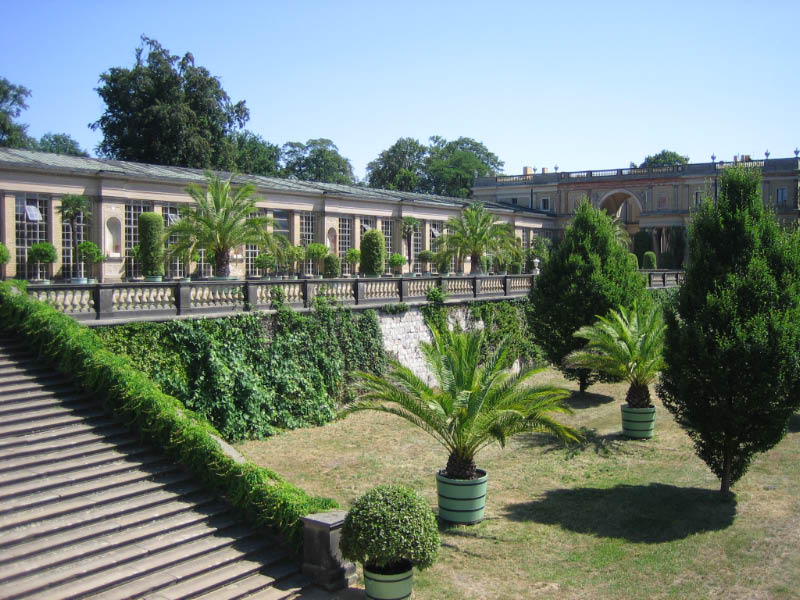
623, 205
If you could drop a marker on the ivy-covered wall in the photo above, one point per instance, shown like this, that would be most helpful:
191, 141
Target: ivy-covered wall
253, 374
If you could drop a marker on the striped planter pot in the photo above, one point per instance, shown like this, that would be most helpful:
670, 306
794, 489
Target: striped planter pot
638, 422
462, 500
388, 587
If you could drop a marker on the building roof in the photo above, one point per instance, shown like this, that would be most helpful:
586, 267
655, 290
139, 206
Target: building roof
76, 165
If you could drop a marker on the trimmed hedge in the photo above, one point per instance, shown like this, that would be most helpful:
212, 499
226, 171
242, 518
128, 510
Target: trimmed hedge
373, 252
649, 261
261, 495
151, 244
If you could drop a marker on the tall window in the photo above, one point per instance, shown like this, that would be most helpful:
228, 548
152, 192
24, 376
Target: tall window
345, 240
546, 204
307, 226
387, 225
416, 245
133, 208
175, 267
280, 225
251, 251
433, 240
31, 228
66, 245
781, 197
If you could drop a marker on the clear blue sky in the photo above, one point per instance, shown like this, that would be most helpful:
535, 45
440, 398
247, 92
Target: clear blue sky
580, 84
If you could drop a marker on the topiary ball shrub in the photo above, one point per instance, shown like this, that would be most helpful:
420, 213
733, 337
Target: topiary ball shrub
390, 529
151, 244
649, 261
331, 267
373, 252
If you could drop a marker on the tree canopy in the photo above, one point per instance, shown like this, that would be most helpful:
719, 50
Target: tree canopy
167, 110
60, 143
665, 158
316, 160
12, 103
443, 167
254, 155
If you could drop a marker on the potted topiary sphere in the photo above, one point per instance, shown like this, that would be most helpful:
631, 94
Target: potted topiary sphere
42, 252
396, 262
426, 257
390, 530
266, 262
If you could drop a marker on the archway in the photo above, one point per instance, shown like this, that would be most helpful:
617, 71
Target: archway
624, 206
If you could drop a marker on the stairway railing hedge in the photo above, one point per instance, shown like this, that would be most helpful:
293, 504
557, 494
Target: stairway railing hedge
262, 496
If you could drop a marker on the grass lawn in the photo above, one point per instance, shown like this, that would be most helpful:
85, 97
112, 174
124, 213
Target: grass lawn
614, 518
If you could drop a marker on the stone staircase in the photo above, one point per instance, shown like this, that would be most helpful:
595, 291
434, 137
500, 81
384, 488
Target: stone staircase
86, 511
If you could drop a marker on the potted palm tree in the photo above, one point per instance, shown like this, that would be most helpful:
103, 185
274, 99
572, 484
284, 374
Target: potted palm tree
627, 344
42, 252
74, 208
409, 225
390, 530
222, 218
89, 253
474, 403
474, 233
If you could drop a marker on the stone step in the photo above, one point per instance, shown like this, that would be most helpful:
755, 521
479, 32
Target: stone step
84, 481
21, 429
67, 443
65, 466
92, 447
11, 406
143, 561
17, 390
85, 525
124, 498
43, 377
23, 367
21, 443
43, 413
112, 542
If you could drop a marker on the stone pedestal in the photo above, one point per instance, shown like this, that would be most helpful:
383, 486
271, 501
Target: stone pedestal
322, 560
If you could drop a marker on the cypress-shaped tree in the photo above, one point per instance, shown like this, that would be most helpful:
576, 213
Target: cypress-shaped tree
587, 274
732, 375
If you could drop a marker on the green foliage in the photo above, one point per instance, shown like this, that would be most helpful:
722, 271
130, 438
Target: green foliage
316, 160
166, 110
60, 143
642, 242
5, 255
222, 219
250, 383
373, 252
397, 308
400, 167
90, 253
151, 243
626, 345
516, 268
253, 155
331, 266
389, 526
474, 403
664, 298
634, 260
352, 257
42, 252
732, 376
12, 103
315, 252
588, 274
408, 226
673, 257
291, 257
73, 207
649, 261
665, 158
426, 257
475, 232
435, 312
397, 260
506, 321
261, 495
266, 262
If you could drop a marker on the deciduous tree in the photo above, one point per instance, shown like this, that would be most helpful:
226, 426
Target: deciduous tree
399, 167
12, 103
60, 143
665, 158
316, 160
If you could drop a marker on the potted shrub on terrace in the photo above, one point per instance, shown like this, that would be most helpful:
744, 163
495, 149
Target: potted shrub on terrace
90, 253
74, 207
352, 257
627, 344
331, 266
5, 256
426, 257
316, 252
42, 252
474, 403
649, 262
266, 262
373, 253
294, 257
151, 245
396, 262
390, 530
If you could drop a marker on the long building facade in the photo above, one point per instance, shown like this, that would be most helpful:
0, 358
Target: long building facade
654, 199
33, 183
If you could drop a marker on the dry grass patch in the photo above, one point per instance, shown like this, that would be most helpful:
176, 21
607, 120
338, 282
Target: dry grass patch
614, 518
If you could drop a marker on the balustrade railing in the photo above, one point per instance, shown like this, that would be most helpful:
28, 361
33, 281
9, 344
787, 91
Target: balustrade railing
132, 300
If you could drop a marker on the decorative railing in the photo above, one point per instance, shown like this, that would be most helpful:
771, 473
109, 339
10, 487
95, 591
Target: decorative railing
140, 300
134, 300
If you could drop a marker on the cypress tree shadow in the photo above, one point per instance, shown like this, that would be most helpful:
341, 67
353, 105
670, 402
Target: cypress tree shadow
578, 401
647, 514
794, 423
602, 445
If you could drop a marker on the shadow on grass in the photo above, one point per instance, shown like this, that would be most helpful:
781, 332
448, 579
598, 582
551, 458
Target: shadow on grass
578, 401
602, 445
637, 513
794, 423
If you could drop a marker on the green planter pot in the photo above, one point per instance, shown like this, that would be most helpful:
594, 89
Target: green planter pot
638, 422
462, 500
388, 587
154, 278
79, 280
